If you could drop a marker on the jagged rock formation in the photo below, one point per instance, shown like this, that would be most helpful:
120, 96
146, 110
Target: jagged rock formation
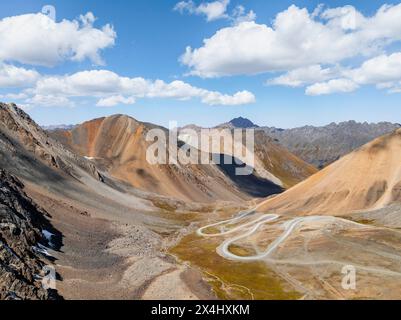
22, 224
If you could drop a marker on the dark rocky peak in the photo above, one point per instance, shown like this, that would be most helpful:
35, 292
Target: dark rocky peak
241, 122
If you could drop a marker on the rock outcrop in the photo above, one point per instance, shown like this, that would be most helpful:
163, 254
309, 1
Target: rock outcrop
24, 231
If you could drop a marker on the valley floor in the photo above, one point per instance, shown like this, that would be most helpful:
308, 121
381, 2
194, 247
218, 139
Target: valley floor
220, 252
103, 259
267, 256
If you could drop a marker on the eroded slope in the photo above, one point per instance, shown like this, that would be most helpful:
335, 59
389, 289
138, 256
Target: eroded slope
366, 179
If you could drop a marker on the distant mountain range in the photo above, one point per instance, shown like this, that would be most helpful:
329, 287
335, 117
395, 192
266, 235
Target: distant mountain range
318, 146
59, 127
321, 146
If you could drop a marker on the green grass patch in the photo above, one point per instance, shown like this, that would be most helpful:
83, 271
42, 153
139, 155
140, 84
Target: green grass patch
242, 251
232, 279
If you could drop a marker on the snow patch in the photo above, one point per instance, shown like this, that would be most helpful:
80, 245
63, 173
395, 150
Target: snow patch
42, 250
49, 236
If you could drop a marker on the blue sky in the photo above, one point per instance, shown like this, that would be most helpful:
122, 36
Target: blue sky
150, 37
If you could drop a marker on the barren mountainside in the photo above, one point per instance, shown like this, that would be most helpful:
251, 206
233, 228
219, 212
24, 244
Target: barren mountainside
271, 161
42, 162
117, 144
24, 146
289, 168
366, 179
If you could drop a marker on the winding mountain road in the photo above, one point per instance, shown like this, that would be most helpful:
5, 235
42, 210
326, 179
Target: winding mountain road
243, 227
262, 219
252, 227
289, 227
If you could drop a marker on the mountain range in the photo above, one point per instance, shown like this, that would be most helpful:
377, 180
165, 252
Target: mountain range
316, 145
118, 145
84, 200
322, 145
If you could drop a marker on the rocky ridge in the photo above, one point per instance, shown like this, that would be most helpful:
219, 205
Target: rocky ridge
24, 233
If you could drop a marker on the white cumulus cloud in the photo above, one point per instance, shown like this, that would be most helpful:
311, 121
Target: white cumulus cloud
303, 76
16, 77
239, 15
380, 69
211, 10
296, 39
332, 86
112, 89
216, 98
216, 10
14, 96
115, 100
383, 71
48, 101
36, 39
